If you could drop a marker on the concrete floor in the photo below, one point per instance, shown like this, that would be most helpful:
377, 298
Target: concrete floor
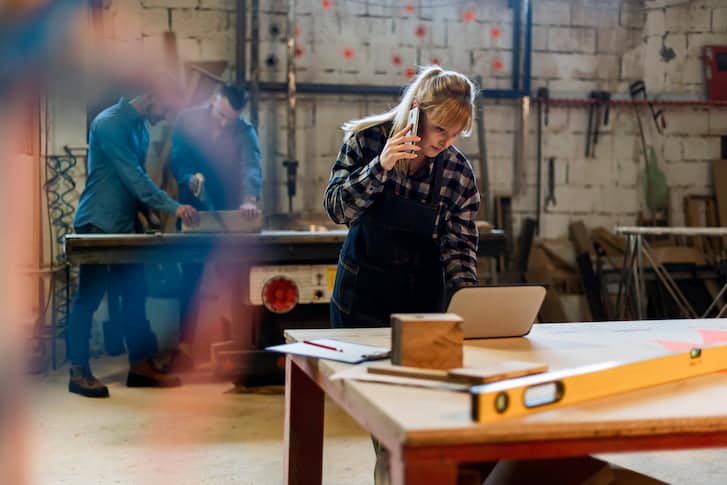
196, 434
201, 434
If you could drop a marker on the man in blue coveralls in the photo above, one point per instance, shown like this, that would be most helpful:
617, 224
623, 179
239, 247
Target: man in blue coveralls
215, 160
116, 181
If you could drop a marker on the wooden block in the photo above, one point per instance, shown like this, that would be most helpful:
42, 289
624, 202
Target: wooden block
225, 221
428, 340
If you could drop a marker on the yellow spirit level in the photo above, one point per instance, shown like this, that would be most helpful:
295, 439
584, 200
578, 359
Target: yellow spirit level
521, 396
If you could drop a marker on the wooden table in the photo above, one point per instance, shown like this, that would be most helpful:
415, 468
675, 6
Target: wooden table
429, 432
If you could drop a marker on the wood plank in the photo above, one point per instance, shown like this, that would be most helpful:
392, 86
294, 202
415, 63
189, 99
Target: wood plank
591, 284
580, 237
225, 221
503, 370
466, 375
404, 371
719, 174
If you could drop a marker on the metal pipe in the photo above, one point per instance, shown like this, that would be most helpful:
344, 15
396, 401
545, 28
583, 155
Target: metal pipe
255, 63
637, 102
240, 38
539, 161
290, 68
528, 44
364, 89
482, 148
517, 10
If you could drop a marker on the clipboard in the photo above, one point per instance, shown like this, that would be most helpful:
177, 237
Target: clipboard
337, 350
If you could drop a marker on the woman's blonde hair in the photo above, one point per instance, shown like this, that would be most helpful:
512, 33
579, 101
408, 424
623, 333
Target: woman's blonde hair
447, 97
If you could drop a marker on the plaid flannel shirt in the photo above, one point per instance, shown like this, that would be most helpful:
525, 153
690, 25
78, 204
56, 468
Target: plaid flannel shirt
357, 179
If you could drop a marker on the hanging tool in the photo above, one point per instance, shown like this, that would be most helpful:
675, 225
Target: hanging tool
638, 89
543, 108
521, 396
521, 152
550, 198
657, 192
291, 174
601, 99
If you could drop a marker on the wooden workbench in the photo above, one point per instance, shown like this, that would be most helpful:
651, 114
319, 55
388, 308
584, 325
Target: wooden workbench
429, 432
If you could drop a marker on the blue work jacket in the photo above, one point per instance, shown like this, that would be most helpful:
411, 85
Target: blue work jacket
230, 163
117, 178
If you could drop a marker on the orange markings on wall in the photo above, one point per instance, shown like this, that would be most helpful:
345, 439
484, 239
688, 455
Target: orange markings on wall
496, 32
409, 8
469, 16
410, 72
421, 31
299, 51
326, 4
396, 60
436, 61
497, 65
348, 53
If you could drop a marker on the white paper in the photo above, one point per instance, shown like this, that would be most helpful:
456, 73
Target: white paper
349, 352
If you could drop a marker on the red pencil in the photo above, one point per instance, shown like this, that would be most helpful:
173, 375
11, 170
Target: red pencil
322, 346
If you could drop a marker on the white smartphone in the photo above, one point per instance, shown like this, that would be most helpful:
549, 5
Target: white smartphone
413, 120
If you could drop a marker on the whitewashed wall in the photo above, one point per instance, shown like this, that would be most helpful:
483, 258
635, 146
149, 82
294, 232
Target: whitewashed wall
578, 46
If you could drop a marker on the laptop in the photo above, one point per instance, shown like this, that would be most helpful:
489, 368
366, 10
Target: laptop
497, 311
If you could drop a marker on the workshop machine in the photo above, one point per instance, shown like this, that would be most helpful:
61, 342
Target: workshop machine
283, 279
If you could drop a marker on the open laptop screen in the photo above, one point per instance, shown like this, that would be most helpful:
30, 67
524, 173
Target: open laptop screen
497, 311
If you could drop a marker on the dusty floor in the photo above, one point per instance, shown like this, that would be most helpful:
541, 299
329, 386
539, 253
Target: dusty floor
199, 434
196, 434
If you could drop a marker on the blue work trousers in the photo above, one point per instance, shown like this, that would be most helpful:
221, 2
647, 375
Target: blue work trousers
93, 281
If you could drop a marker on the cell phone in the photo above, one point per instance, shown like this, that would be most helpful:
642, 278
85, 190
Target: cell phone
413, 120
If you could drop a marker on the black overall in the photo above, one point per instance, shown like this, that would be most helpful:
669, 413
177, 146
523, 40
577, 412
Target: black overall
389, 262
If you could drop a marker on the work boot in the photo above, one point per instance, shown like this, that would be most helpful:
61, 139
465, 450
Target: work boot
83, 382
181, 359
143, 373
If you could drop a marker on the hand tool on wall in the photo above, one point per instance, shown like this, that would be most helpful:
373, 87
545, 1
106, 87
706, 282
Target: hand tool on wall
638, 90
601, 99
291, 175
543, 108
550, 198
519, 168
657, 192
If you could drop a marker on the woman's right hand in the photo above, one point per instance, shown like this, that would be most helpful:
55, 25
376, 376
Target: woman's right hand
397, 148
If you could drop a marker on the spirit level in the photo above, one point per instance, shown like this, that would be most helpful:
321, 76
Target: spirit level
518, 397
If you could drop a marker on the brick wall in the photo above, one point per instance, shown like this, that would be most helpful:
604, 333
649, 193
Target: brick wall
578, 46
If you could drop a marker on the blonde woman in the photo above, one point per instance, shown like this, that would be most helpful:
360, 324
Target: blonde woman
409, 200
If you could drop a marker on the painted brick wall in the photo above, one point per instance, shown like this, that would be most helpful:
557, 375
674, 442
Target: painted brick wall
578, 46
